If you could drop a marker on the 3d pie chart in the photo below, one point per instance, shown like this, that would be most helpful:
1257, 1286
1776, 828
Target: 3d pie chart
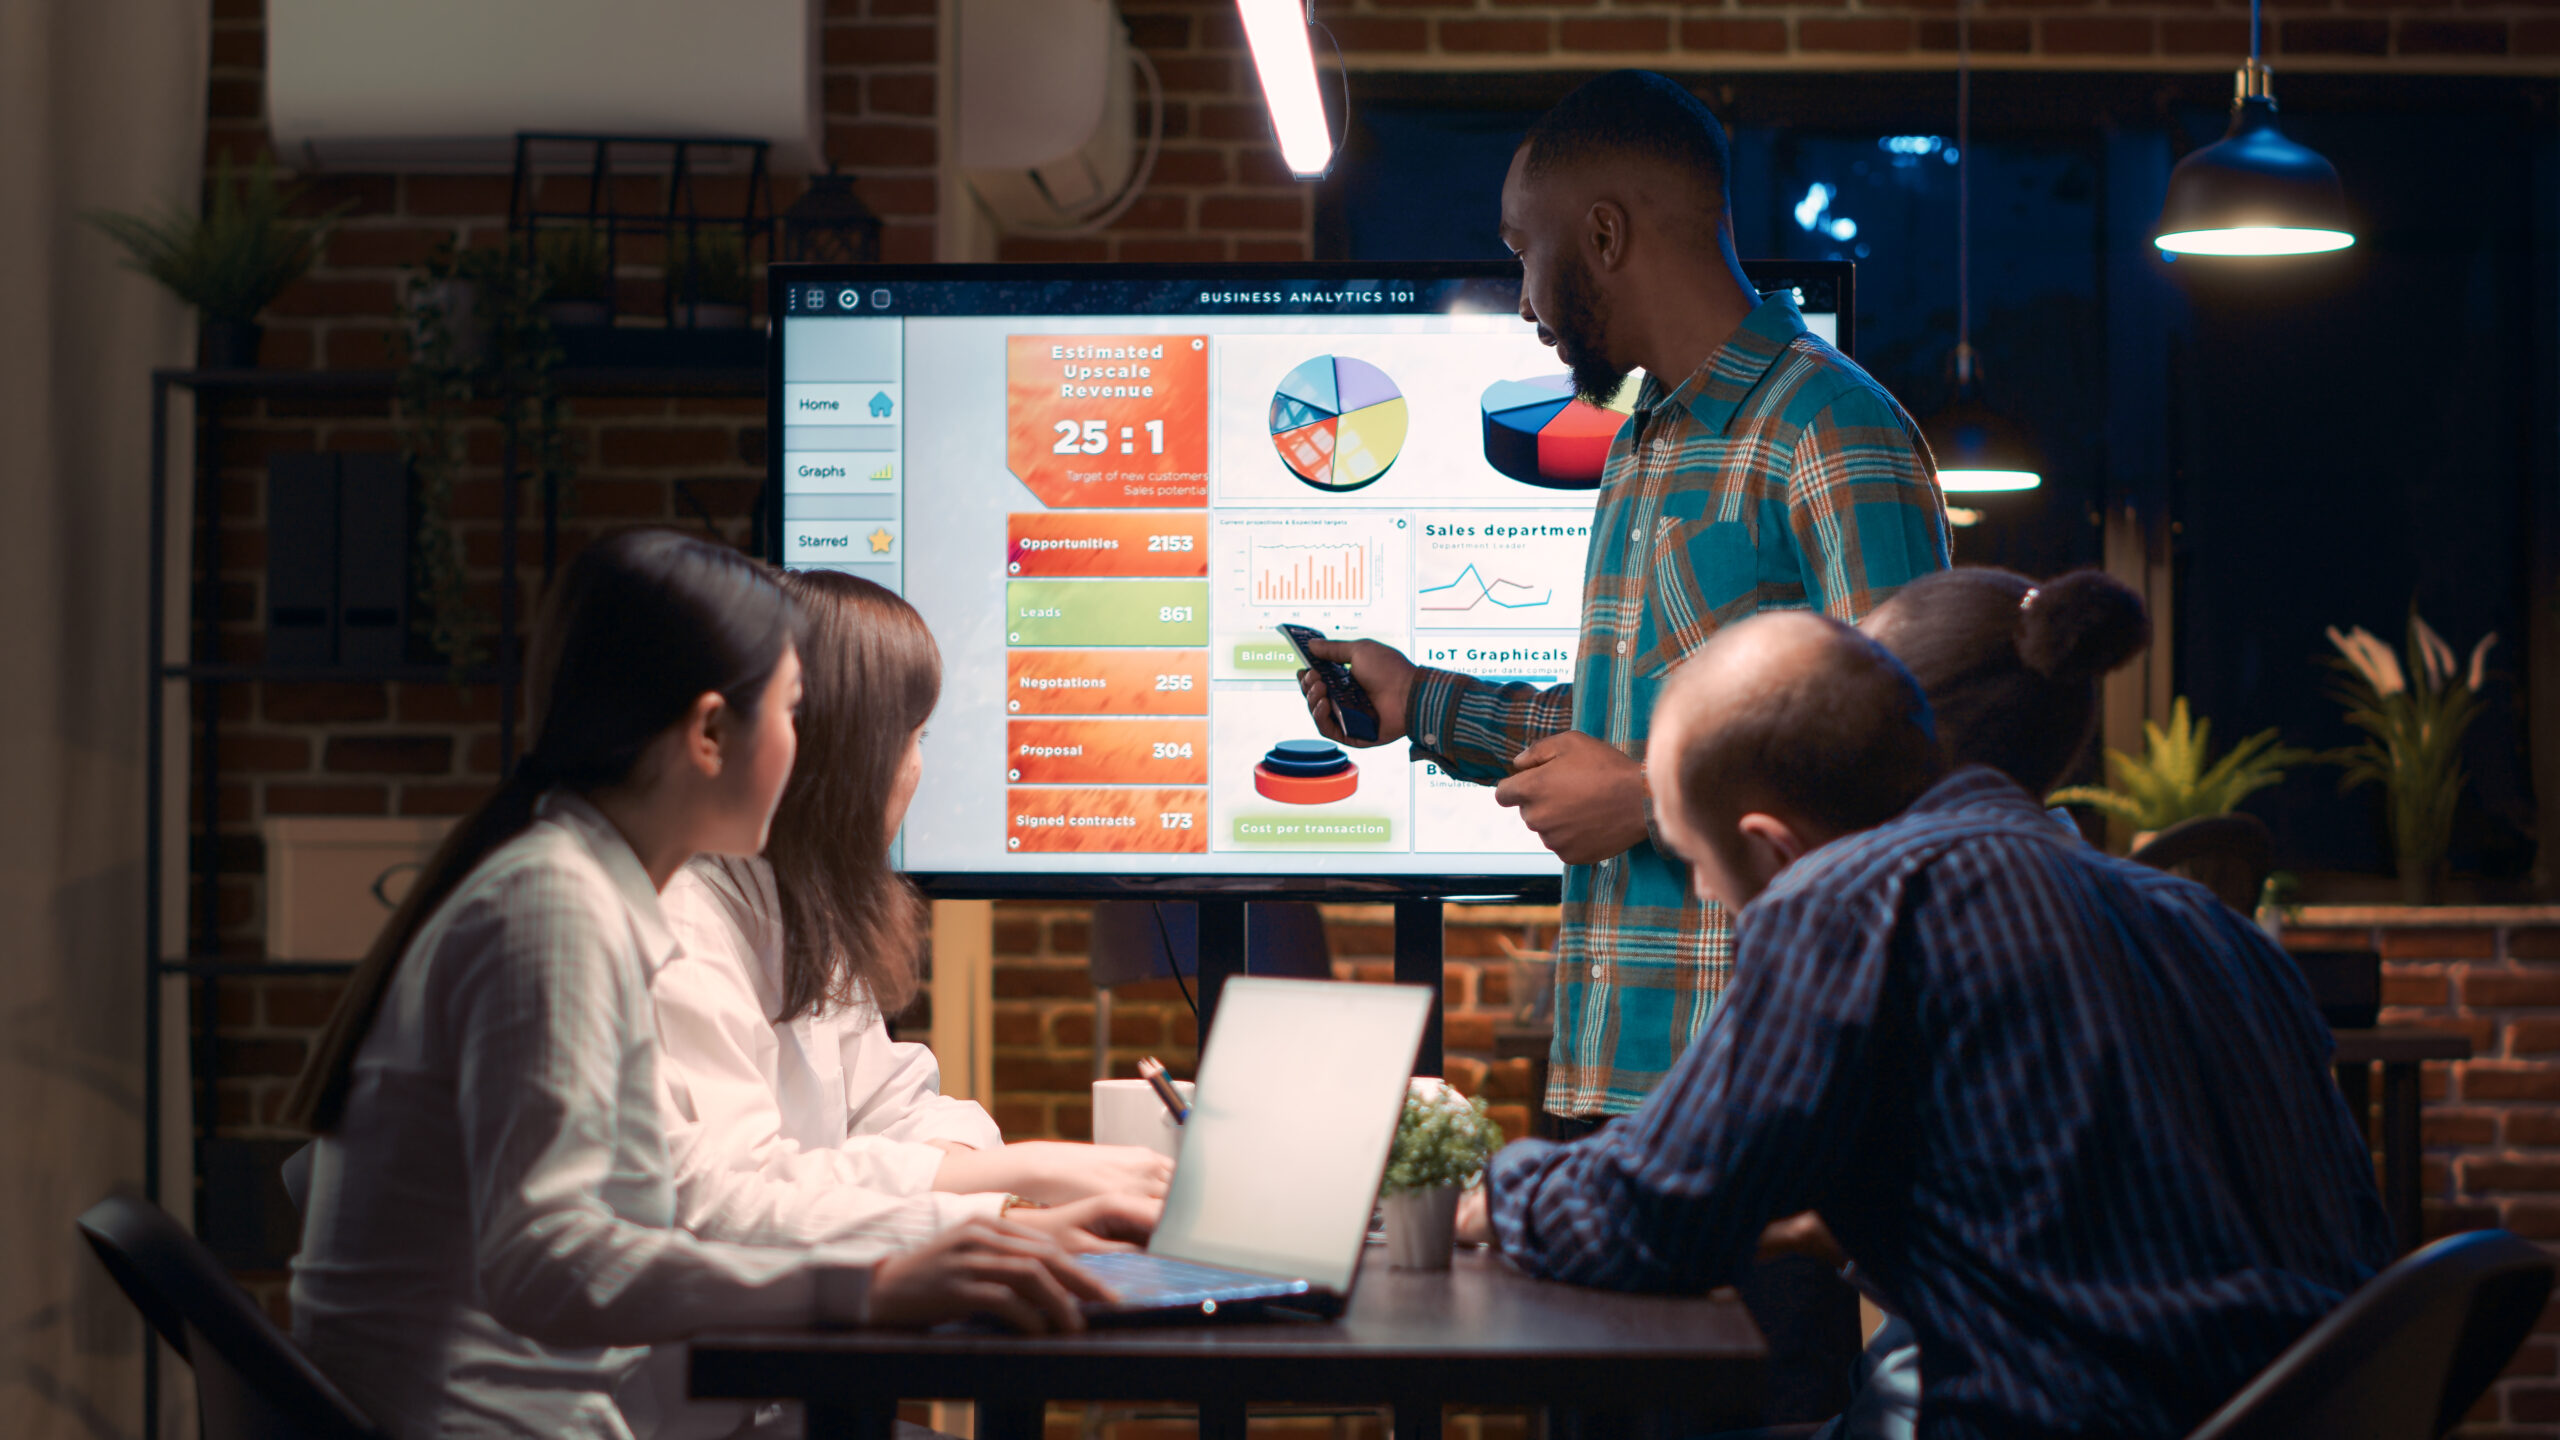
1306, 772
1537, 433
1338, 422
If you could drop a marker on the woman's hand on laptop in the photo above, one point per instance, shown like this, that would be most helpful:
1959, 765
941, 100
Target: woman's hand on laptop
1099, 1222
1054, 1172
983, 1267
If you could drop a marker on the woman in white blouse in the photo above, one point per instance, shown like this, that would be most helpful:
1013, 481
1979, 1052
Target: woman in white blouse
490, 1224
791, 1114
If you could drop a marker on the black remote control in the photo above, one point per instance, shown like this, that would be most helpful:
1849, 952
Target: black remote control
1351, 705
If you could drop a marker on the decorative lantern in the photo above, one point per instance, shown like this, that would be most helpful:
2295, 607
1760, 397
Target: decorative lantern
830, 223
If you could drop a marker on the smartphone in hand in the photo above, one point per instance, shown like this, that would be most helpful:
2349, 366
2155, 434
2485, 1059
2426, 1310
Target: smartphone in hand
1351, 704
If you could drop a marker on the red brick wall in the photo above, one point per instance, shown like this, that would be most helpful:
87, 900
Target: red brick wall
2491, 1124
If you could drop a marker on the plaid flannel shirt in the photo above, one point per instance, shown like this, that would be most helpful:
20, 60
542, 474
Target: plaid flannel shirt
1778, 477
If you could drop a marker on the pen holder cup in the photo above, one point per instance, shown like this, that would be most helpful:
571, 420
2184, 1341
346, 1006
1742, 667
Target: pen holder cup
1127, 1112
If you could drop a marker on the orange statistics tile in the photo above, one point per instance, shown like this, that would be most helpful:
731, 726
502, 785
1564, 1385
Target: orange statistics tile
1106, 682
1107, 752
1082, 542
1109, 420
1067, 821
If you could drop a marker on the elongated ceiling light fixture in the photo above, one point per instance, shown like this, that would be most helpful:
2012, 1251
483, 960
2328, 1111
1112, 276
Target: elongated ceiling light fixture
1977, 449
1277, 31
2254, 192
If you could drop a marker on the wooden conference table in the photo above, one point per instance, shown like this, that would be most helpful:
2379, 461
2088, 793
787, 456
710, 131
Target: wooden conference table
1479, 1333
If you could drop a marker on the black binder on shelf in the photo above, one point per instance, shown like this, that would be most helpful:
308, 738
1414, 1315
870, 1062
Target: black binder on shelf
373, 559
302, 559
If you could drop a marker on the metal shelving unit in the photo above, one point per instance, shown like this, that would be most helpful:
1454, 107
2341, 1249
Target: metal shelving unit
199, 955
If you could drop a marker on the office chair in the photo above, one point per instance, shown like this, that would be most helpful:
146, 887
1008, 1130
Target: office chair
251, 1382
2230, 855
2406, 1356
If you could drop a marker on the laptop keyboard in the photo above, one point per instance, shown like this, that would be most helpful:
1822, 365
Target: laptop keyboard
1156, 1281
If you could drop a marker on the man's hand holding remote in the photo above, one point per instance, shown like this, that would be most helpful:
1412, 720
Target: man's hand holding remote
1383, 672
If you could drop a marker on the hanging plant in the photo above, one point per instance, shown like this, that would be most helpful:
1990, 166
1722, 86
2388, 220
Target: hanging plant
2413, 720
476, 330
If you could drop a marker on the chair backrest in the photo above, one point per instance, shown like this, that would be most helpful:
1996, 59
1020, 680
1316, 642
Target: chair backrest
2406, 1356
2230, 855
251, 1382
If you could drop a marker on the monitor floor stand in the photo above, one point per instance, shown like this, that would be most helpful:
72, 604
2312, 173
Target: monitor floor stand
1419, 961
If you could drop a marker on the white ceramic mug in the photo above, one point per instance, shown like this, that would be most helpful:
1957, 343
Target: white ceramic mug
1127, 1112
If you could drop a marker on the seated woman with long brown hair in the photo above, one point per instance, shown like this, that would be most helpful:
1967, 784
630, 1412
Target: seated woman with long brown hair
491, 1218
792, 1113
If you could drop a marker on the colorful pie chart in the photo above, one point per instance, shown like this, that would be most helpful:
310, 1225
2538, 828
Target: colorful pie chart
1537, 433
1337, 422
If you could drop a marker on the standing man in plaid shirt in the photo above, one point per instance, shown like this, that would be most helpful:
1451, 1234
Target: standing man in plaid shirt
1760, 471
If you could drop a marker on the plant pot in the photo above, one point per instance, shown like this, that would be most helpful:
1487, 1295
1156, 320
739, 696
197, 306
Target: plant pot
707, 315
577, 314
2418, 880
228, 344
1422, 1228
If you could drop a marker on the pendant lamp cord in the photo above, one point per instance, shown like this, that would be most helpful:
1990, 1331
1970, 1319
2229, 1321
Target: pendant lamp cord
2253, 34
1964, 190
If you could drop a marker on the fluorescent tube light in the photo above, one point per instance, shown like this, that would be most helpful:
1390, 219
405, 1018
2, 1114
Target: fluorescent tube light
1277, 31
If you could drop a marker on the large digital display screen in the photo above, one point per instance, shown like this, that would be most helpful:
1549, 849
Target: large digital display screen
1104, 487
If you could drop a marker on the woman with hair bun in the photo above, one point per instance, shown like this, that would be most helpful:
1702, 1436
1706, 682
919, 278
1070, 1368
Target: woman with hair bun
2011, 667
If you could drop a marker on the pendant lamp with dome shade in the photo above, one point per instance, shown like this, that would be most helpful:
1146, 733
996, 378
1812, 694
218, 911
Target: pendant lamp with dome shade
2254, 191
1978, 449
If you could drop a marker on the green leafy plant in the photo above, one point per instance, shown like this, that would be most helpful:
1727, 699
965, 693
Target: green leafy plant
447, 375
2413, 721
1443, 1138
708, 266
572, 263
234, 256
2173, 781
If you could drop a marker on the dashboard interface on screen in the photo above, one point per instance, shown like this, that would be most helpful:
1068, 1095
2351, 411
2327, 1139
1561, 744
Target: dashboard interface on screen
1103, 490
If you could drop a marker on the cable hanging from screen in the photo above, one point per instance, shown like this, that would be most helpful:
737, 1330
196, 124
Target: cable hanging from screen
1172, 961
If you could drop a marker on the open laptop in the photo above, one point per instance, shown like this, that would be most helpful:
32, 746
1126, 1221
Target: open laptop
1295, 1109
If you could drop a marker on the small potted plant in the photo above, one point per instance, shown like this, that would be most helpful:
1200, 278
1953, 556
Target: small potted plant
2413, 721
2173, 781
1442, 1144
707, 271
231, 259
576, 288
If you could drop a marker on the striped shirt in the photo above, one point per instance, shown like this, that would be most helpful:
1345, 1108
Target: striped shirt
1778, 477
2072, 1117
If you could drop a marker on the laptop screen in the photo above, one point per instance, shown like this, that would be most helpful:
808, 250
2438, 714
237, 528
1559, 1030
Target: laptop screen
1296, 1107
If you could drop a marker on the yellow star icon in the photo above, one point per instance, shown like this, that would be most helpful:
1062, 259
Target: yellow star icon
881, 540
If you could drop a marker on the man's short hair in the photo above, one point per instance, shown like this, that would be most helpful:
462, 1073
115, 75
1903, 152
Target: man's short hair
1633, 114
1836, 733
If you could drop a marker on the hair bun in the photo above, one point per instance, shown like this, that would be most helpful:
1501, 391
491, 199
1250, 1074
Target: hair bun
2079, 626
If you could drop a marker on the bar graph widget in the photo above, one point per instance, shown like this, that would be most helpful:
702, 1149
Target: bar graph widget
1328, 574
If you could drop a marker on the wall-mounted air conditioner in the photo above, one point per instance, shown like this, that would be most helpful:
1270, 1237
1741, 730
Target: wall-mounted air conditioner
1047, 112
409, 84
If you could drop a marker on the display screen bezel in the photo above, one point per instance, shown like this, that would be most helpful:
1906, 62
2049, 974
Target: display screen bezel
1838, 277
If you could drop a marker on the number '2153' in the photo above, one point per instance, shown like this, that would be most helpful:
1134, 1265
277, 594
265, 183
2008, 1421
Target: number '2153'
1094, 437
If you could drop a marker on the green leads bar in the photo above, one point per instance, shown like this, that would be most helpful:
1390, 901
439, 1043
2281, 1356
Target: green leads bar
1106, 612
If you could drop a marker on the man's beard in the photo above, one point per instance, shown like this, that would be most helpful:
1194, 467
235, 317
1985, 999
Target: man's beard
1581, 328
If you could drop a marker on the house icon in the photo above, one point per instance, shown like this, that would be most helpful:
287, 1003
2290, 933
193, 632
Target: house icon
881, 405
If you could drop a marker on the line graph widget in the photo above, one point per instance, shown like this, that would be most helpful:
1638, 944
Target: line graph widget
1299, 574
1471, 589
1508, 569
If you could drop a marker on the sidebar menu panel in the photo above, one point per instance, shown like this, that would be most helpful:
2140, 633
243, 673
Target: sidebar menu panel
843, 449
